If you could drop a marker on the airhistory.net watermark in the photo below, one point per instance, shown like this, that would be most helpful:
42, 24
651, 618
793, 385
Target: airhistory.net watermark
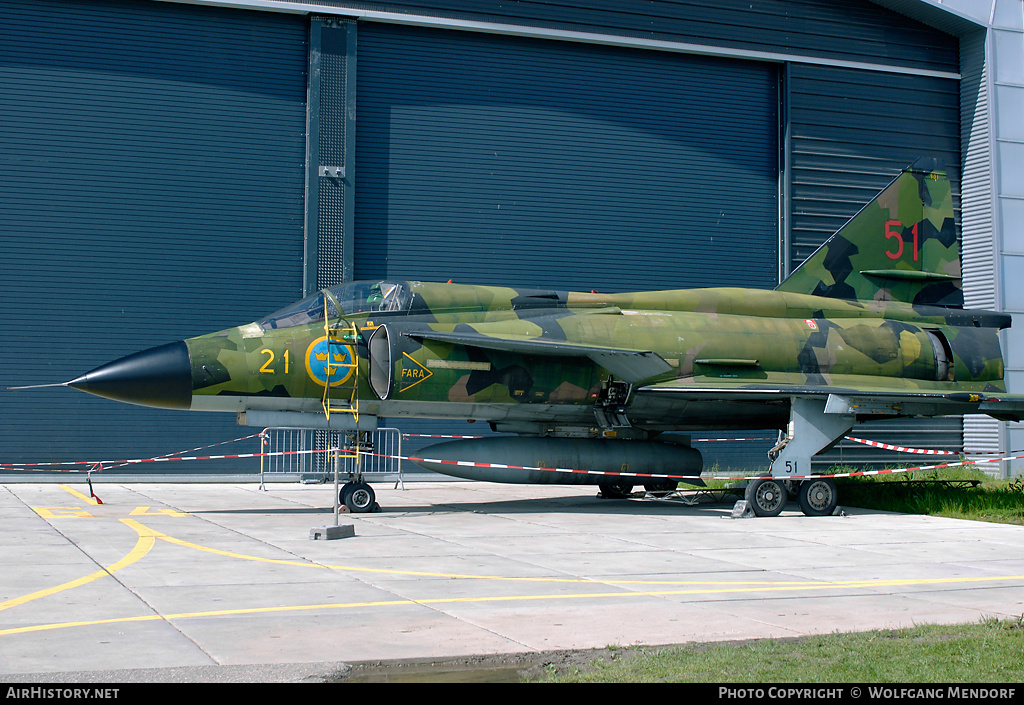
50, 693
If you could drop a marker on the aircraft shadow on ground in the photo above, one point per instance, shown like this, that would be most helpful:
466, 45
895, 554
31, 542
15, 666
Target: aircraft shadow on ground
565, 505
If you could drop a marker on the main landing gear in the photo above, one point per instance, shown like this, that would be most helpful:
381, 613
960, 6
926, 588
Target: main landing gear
767, 496
615, 490
814, 425
621, 490
818, 497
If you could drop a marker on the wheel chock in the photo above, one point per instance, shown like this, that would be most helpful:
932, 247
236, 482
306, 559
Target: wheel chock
742, 510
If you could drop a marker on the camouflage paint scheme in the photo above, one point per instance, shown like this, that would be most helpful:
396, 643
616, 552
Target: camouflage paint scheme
872, 325
874, 315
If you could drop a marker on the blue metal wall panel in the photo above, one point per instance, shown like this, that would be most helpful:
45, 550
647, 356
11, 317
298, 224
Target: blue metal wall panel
497, 160
852, 30
851, 134
152, 165
148, 144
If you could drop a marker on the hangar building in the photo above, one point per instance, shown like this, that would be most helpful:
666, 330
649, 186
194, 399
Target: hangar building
173, 168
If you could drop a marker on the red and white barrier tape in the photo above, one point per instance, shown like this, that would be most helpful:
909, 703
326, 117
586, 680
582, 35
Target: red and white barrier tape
502, 466
694, 440
922, 451
859, 473
100, 465
900, 449
431, 435
864, 473
193, 450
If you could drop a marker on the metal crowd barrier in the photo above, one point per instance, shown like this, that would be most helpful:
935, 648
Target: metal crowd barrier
305, 452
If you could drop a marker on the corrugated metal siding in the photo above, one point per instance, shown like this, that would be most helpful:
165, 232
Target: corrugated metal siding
853, 30
152, 166
851, 133
83, 50
943, 433
497, 160
978, 246
978, 217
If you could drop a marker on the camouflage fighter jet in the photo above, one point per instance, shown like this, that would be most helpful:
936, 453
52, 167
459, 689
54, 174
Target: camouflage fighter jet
871, 326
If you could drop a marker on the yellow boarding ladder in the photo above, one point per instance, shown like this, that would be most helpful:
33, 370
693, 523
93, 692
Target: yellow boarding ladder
343, 334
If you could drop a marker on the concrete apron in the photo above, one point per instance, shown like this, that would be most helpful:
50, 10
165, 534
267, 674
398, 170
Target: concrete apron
164, 576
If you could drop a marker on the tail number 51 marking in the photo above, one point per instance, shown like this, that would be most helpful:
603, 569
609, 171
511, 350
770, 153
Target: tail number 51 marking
898, 237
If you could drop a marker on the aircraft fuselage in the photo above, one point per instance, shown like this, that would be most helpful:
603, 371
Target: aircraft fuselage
731, 336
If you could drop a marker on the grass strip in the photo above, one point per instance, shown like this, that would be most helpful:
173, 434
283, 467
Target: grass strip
1000, 501
986, 652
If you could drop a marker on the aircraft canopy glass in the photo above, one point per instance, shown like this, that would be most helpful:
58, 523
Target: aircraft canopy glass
353, 298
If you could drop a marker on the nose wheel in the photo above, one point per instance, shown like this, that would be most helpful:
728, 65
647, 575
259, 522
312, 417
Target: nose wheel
359, 497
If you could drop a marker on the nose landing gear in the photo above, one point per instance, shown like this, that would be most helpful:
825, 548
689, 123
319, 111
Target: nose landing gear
358, 498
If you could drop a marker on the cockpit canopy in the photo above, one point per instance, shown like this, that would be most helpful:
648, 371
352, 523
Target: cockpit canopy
351, 298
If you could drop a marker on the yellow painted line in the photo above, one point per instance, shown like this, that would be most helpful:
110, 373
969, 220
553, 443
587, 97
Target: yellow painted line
418, 573
145, 542
64, 512
707, 583
148, 536
84, 498
429, 601
145, 511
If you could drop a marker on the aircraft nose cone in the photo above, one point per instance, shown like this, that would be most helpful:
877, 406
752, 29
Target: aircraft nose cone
160, 377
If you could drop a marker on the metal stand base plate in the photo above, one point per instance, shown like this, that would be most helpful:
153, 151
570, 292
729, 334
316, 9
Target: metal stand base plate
327, 533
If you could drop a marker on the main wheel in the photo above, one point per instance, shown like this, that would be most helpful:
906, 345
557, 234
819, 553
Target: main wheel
818, 498
358, 497
661, 486
615, 490
767, 497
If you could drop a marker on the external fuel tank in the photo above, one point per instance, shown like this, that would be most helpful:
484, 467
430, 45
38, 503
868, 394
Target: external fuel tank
561, 461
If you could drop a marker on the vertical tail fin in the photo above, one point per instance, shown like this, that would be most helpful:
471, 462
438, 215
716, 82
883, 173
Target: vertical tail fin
901, 246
